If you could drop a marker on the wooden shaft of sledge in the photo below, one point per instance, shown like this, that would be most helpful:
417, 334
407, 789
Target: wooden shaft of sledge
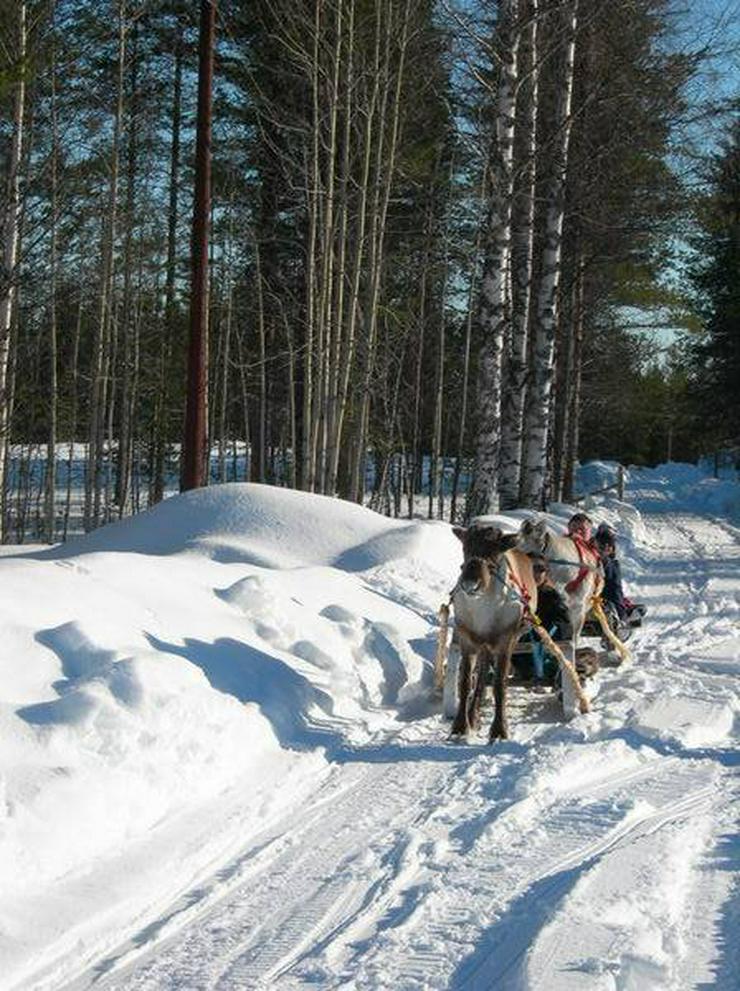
441, 655
608, 632
565, 665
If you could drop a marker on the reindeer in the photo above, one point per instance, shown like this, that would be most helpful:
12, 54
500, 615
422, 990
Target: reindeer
573, 568
495, 588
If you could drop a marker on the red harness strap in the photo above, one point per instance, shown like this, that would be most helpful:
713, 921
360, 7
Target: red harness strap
521, 589
585, 550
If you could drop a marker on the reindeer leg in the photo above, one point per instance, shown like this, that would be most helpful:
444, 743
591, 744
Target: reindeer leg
499, 727
461, 723
484, 660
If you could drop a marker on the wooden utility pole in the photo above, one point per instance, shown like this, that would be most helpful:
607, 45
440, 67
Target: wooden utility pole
194, 471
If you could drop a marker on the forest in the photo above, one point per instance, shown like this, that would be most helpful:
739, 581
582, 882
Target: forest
453, 248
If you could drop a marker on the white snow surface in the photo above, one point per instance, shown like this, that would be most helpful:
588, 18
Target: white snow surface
221, 765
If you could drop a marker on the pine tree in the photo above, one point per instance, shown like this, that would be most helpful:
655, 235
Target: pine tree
717, 279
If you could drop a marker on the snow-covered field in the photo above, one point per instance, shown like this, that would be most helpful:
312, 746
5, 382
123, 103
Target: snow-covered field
220, 765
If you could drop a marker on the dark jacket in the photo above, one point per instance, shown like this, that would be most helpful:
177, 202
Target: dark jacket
553, 611
613, 590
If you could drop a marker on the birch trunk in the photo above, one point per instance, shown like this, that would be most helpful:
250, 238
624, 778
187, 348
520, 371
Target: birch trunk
512, 411
539, 401
466, 371
483, 496
10, 235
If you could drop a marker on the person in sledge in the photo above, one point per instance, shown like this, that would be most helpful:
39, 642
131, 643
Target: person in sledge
580, 527
552, 609
629, 613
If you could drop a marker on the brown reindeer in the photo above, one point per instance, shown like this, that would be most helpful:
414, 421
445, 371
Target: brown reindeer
496, 582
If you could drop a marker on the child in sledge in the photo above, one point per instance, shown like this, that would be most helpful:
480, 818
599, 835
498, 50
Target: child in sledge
580, 527
605, 540
552, 610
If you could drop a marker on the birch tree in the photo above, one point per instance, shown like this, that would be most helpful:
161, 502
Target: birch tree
483, 497
523, 228
10, 239
539, 395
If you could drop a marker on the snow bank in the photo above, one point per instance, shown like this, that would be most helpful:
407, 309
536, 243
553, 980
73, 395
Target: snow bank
262, 525
594, 475
225, 638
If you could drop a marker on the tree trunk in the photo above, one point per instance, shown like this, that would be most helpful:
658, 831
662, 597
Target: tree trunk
100, 357
125, 433
574, 398
10, 236
161, 414
512, 411
483, 496
73, 416
196, 414
540, 394
51, 443
380, 213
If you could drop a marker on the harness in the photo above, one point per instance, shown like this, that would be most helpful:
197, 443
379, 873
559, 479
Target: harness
584, 549
519, 593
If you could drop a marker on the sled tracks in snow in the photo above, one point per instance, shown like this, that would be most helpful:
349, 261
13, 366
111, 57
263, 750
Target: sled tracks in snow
420, 874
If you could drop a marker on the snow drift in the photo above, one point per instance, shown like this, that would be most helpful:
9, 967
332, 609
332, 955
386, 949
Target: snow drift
225, 637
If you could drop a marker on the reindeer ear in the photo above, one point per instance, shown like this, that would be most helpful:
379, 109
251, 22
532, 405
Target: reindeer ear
494, 533
526, 528
460, 532
540, 528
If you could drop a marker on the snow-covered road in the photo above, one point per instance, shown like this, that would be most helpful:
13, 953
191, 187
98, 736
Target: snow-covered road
221, 768
602, 854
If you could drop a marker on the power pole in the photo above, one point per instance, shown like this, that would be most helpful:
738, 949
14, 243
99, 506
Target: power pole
194, 470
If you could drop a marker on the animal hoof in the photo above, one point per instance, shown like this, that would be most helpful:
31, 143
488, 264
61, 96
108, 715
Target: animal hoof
498, 733
584, 706
463, 737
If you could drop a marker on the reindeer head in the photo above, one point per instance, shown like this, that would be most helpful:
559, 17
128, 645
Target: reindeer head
532, 536
482, 549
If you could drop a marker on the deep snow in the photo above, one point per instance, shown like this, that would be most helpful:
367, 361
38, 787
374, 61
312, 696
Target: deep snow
220, 765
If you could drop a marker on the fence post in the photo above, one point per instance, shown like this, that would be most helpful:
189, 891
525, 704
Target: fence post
620, 483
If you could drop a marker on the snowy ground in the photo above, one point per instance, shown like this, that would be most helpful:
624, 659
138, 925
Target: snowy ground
220, 767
